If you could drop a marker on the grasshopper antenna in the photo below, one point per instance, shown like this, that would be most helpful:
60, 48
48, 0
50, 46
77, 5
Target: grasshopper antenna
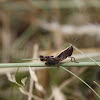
75, 41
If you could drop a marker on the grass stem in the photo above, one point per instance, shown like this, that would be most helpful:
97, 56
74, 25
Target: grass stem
41, 64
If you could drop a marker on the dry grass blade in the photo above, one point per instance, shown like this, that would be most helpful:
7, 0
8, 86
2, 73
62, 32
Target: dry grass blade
57, 94
37, 85
24, 80
35, 54
33, 75
22, 90
40, 88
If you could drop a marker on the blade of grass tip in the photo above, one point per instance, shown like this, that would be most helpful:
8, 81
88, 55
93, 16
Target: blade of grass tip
80, 80
32, 59
96, 83
87, 56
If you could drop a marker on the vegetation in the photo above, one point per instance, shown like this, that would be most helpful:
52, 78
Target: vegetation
29, 28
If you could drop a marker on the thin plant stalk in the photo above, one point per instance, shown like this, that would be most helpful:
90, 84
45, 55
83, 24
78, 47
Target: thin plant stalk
42, 64
80, 80
35, 54
96, 83
87, 56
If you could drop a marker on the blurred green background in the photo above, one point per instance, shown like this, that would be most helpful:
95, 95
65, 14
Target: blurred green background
29, 28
